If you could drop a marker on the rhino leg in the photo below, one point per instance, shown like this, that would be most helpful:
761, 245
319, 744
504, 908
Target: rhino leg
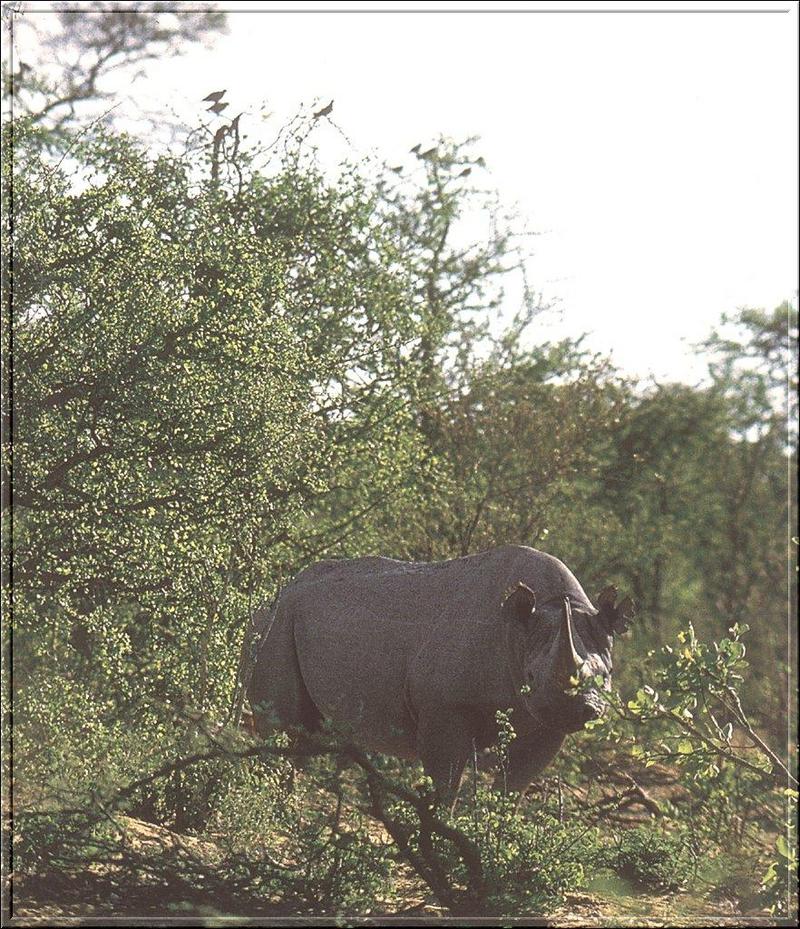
444, 744
527, 757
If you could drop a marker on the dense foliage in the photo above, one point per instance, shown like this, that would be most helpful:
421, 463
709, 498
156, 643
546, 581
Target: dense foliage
219, 373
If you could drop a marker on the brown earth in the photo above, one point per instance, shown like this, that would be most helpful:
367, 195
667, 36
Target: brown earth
156, 874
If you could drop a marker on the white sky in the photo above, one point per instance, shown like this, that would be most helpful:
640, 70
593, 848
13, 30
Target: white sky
657, 154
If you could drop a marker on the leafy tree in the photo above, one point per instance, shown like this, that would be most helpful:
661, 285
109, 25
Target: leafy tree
653, 486
753, 361
745, 544
513, 444
183, 419
698, 481
459, 277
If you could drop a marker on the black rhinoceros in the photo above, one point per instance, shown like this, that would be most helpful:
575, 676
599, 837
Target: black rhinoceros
415, 659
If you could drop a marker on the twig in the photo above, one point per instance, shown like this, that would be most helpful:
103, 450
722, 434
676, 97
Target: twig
78, 137
745, 722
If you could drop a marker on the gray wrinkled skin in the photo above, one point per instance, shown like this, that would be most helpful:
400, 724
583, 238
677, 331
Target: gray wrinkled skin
415, 659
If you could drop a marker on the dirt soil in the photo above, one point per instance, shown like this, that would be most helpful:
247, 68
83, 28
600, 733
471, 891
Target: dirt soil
160, 875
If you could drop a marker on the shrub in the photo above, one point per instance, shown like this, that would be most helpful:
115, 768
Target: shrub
651, 857
529, 864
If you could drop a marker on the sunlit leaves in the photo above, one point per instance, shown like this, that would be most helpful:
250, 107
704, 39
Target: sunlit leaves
197, 376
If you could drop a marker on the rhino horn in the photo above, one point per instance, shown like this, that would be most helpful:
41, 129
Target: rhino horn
568, 662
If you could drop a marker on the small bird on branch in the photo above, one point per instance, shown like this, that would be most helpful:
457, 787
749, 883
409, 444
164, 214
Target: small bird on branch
325, 111
214, 97
216, 108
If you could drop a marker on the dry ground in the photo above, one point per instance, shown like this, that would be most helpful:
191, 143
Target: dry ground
160, 874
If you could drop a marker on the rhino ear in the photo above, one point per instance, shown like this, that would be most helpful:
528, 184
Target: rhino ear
615, 617
607, 598
625, 612
519, 602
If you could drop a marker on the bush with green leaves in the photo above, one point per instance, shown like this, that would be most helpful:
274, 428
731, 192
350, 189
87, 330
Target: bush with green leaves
316, 847
779, 883
651, 856
694, 714
529, 862
689, 719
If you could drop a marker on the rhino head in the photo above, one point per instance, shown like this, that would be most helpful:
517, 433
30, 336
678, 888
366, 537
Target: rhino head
560, 653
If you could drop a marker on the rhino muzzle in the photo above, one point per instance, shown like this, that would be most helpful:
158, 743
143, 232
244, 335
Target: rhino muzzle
593, 707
